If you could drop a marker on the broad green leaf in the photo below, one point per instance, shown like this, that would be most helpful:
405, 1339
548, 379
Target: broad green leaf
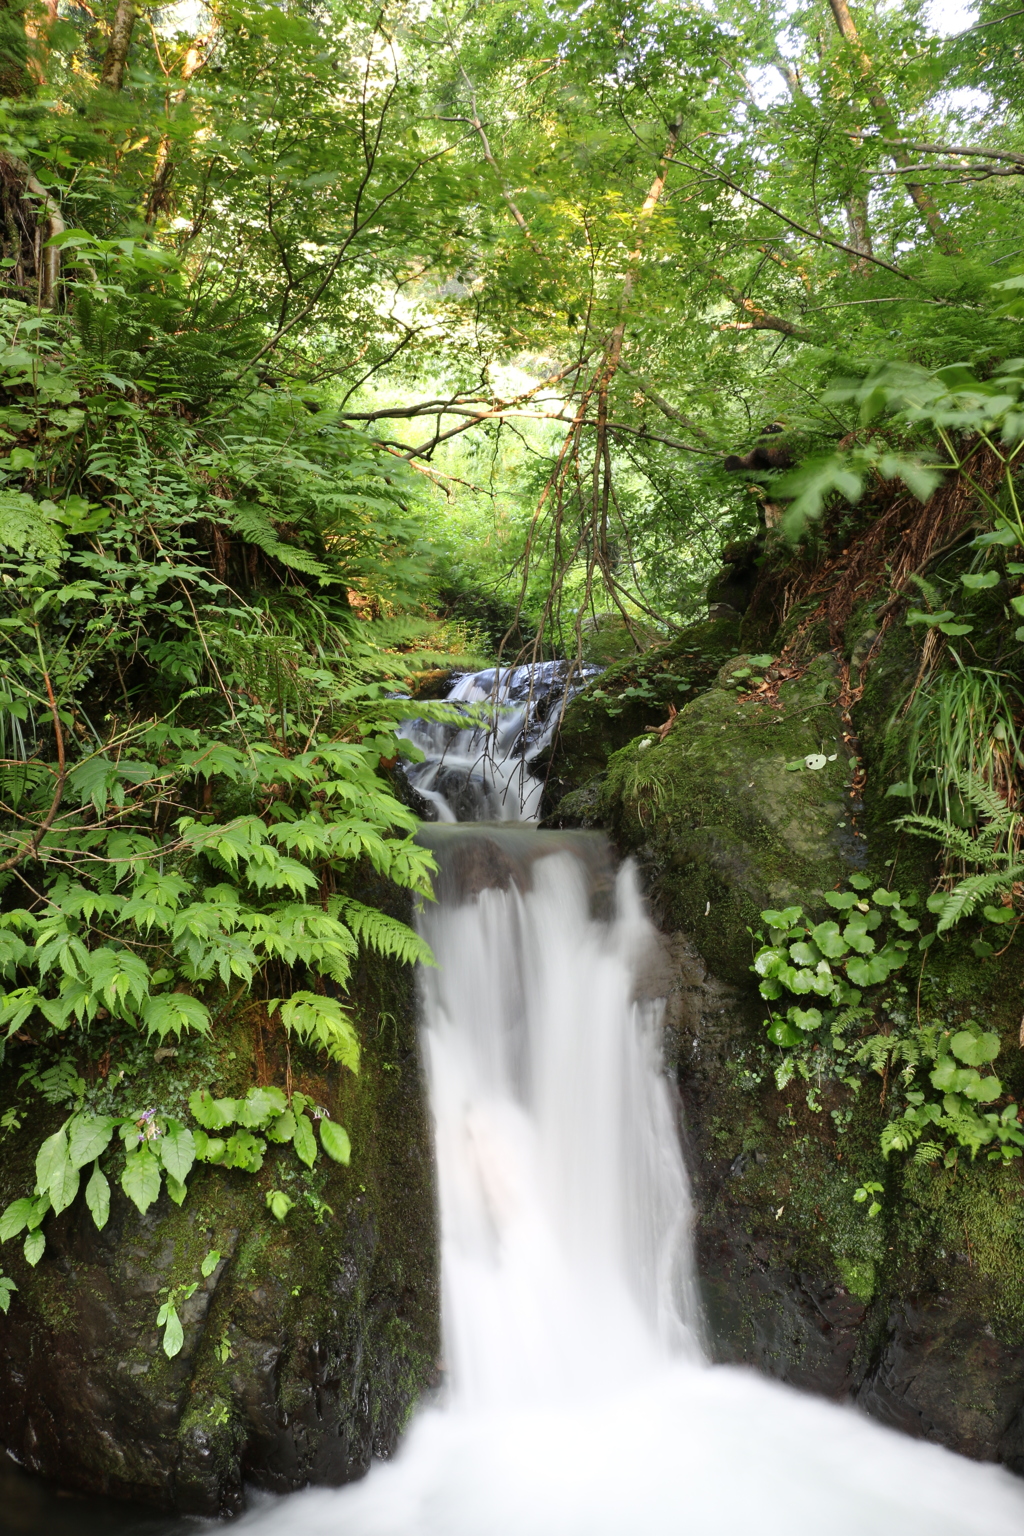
304, 1141
176, 1188
335, 1142
177, 1150
97, 1196
976, 581
174, 1334
245, 1151
259, 1105
782, 1033
56, 1174
15, 1218
140, 1179
213, 1114
804, 1018
35, 1245
975, 1049
50, 1158
210, 1263
281, 1128
89, 1137
785, 919
829, 940
279, 1203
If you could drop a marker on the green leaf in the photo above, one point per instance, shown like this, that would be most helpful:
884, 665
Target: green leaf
175, 1013
781, 1033
804, 954
177, 1151
210, 1263
89, 1137
213, 1114
304, 1141
140, 1179
281, 1128
975, 1049
323, 1023
259, 1105
279, 1203
829, 940
784, 919
174, 1334
176, 1188
335, 1142
7, 1285
15, 1218
918, 616
804, 1018
244, 1151
56, 1174
860, 882
35, 1244
841, 900
976, 581
97, 1196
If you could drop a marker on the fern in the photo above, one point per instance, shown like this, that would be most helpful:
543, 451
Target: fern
953, 839
967, 894
255, 526
389, 937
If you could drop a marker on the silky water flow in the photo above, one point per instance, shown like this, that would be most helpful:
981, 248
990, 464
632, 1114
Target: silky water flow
577, 1397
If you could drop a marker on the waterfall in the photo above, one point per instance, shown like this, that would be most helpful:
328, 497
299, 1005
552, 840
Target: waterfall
481, 772
577, 1398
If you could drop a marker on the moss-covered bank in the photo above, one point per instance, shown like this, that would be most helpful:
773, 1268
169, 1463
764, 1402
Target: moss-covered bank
304, 1348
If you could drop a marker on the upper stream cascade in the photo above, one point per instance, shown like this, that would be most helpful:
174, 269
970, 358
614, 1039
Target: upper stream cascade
577, 1396
482, 772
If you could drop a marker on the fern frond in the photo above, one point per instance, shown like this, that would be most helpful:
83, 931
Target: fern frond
389, 937
979, 793
953, 839
964, 897
255, 526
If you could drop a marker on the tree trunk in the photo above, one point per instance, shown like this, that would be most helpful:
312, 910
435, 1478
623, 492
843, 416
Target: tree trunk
112, 73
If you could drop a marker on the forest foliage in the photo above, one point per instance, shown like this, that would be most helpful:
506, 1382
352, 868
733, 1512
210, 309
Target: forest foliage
337, 340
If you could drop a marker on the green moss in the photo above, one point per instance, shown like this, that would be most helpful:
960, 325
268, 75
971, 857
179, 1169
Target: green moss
726, 827
858, 1277
628, 698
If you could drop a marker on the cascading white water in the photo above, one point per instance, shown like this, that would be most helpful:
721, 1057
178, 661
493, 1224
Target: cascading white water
578, 1402
483, 772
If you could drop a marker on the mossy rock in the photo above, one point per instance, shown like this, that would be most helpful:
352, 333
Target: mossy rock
627, 699
309, 1342
727, 814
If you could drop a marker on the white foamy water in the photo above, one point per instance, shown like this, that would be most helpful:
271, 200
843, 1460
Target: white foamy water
578, 1401
484, 772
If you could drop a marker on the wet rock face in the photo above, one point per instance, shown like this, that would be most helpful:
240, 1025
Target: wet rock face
305, 1347
918, 1316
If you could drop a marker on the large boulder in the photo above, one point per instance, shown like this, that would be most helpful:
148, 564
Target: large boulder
307, 1343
